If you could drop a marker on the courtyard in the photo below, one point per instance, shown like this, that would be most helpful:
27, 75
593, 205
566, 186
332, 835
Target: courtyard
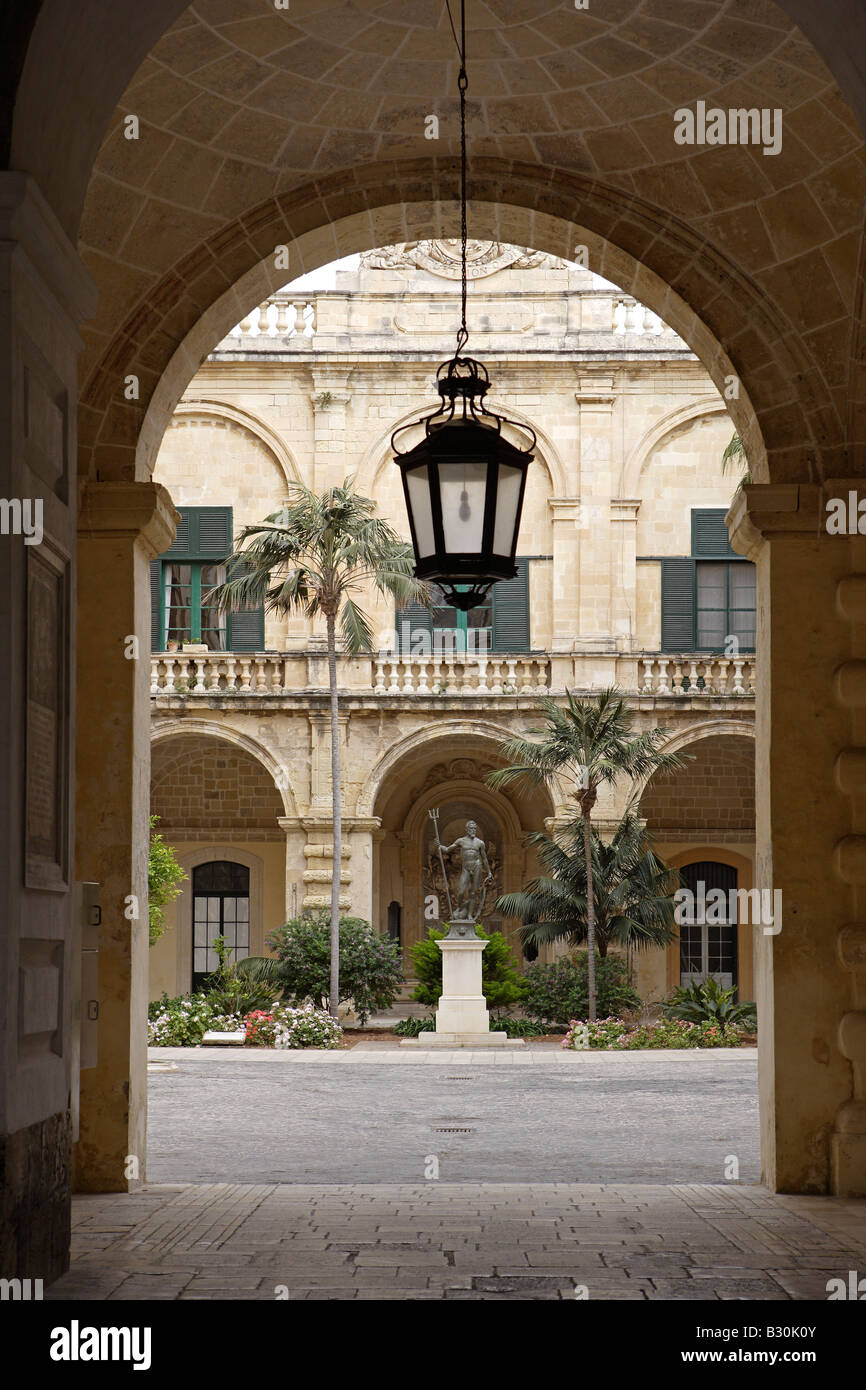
376, 1172
377, 1114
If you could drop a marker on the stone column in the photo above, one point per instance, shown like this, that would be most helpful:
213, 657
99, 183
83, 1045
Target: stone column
811, 834
363, 834
122, 527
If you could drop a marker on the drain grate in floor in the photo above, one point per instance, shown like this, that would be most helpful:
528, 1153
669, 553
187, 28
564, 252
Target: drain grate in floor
458, 1078
452, 1129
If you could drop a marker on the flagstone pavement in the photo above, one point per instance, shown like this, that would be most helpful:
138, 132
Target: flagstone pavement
457, 1240
461, 1241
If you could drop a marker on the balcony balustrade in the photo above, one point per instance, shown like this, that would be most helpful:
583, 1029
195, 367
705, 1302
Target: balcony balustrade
694, 676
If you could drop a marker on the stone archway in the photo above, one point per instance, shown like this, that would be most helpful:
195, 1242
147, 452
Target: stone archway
446, 771
760, 269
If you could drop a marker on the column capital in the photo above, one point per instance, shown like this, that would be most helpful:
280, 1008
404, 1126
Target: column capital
564, 509
128, 511
624, 508
761, 511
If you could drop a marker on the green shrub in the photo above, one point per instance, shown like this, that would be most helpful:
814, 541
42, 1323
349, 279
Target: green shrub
164, 877
411, 1027
229, 991
179, 1022
501, 983
558, 992
709, 1002
514, 1027
371, 972
614, 1035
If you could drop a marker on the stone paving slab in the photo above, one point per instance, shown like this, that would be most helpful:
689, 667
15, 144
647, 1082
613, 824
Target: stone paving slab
609, 1117
378, 1051
676, 1243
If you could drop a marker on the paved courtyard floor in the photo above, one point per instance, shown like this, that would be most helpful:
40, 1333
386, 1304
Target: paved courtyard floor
558, 1172
377, 1113
460, 1241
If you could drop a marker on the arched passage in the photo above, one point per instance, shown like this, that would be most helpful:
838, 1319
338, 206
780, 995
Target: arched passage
444, 768
220, 798
760, 269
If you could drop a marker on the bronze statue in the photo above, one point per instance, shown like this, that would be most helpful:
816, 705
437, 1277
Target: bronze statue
471, 886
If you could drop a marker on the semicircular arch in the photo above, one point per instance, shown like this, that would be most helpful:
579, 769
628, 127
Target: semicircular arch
175, 728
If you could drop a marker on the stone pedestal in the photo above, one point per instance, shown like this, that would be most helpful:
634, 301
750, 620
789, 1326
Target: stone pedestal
462, 1019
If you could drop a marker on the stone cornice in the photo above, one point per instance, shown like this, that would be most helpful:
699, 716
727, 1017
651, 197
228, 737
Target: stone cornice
762, 511
128, 511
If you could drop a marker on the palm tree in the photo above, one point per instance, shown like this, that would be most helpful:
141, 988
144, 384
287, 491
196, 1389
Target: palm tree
313, 556
590, 744
735, 457
632, 890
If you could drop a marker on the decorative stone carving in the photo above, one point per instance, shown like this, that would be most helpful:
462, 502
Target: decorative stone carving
442, 257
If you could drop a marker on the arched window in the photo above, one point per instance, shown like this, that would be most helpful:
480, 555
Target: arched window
709, 947
220, 907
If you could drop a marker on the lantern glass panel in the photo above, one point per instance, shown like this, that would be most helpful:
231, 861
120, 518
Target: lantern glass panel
418, 485
507, 501
463, 489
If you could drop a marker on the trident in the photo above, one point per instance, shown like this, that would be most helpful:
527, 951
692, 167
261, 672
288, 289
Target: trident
434, 816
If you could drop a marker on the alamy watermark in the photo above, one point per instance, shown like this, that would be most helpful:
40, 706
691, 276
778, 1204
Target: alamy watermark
406, 640
759, 907
22, 516
740, 125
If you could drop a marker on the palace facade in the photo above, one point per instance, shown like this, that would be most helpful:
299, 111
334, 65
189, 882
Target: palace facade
626, 577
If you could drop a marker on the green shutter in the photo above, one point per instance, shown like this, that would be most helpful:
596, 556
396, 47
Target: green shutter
411, 621
246, 626
214, 533
156, 642
511, 612
203, 533
678, 605
710, 534
180, 546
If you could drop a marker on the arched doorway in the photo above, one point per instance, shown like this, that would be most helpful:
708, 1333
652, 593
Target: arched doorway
708, 949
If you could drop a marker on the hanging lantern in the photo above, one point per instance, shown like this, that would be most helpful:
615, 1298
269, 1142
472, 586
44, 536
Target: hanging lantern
464, 481
464, 485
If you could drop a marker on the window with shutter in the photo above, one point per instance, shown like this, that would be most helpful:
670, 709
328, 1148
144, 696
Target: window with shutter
710, 534
708, 597
181, 585
414, 630
511, 612
678, 604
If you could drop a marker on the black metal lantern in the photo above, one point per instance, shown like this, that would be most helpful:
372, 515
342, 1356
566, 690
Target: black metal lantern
464, 485
464, 481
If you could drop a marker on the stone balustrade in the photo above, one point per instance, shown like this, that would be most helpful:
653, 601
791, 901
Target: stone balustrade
691, 675
277, 317
460, 673
296, 320
686, 675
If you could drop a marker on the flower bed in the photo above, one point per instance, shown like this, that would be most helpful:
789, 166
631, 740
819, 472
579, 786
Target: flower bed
612, 1034
183, 1022
285, 1026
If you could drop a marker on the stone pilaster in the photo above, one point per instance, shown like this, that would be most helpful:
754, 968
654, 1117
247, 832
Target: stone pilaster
565, 515
811, 834
122, 526
330, 398
596, 398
